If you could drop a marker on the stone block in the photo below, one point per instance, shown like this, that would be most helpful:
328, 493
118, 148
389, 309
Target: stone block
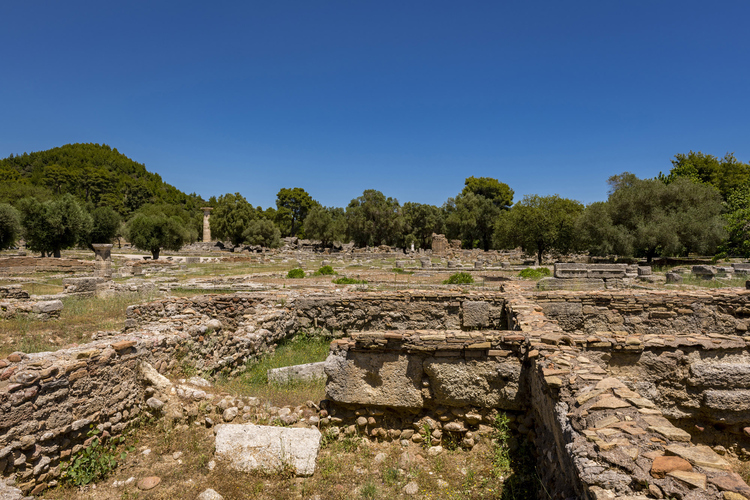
309, 371
741, 268
730, 400
735, 375
644, 271
484, 384
249, 448
673, 278
476, 314
47, 307
384, 379
82, 285
704, 272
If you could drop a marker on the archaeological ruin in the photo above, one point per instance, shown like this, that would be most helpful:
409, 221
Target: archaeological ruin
622, 392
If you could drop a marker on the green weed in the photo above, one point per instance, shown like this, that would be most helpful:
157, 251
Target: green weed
459, 279
295, 273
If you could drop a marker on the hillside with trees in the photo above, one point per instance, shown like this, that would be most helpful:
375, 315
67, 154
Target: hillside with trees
80, 194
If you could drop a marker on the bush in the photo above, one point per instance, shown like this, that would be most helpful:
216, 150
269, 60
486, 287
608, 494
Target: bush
459, 279
95, 462
325, 271
348, 281
534, 274
295, 273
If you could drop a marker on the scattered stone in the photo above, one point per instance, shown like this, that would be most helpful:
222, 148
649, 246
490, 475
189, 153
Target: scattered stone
210, 494
665, 464
149, 483
433, 451
694, 479
411, 488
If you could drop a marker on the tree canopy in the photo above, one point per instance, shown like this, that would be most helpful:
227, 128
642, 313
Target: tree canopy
292, 207
647, 217
374, 219
499, 193
153, 228
52, 226
231, 216
10, 226
540, 224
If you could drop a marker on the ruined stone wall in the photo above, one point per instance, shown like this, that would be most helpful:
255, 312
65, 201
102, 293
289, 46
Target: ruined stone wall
652, 312
336, 314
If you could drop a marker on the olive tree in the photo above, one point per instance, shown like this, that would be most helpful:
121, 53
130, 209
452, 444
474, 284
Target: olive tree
10, 226
55, 225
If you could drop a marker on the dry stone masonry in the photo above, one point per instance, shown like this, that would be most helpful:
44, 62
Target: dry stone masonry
624, 394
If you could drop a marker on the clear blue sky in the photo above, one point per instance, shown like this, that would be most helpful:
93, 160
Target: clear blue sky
407, 97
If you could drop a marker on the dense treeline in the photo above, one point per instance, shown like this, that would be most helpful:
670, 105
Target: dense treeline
80, 194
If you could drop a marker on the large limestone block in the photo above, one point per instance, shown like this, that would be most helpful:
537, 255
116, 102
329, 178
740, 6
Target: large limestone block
251, 447
486, 384
720, 375
385, 379
737, 400
47, 307
309, 371
476, 314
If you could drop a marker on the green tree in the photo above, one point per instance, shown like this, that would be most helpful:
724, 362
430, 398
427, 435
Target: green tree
105, 226
262, 232
471, 217
292, 207
499, 193
738, 222
10, 226
52, 226
649, 217
151, 230
232, 214
420, 222
373, 219
725, 174
326, 224
539, 224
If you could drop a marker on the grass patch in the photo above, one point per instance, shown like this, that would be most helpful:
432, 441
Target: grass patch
459, 279
348, 281
534, 273
399, 270
299, 350
80, 317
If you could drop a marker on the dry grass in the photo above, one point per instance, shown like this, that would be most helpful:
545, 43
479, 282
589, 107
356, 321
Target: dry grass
80, 317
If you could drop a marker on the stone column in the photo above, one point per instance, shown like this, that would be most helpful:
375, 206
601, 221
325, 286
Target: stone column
206, 224
103, 253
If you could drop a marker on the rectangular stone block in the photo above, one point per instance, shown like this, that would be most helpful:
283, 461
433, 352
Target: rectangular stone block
476, 314
720, 375
735, 401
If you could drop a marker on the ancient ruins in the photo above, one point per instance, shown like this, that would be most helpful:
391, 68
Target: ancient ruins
624, 392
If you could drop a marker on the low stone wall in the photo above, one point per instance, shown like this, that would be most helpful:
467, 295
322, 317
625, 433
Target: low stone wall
42, 309
652, 312
13, 266
334, 314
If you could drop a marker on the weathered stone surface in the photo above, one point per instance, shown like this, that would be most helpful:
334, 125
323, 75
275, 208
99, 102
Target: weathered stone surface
664, 464
256, 447
486, 384
731, 482
210, 494
476, 314
47, 307
720, 375
383, 379
153, 377
309, 371
699, 455
149, 483
609, 403
671, 432
694, 479
730, 400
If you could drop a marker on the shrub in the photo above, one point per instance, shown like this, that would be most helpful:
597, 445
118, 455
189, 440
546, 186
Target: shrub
295, 273
325, 271
348, 281
535, 274
459, 279
94, 462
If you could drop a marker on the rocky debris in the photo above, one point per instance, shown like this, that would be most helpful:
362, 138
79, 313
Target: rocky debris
149, 483
251, 447
210, 494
